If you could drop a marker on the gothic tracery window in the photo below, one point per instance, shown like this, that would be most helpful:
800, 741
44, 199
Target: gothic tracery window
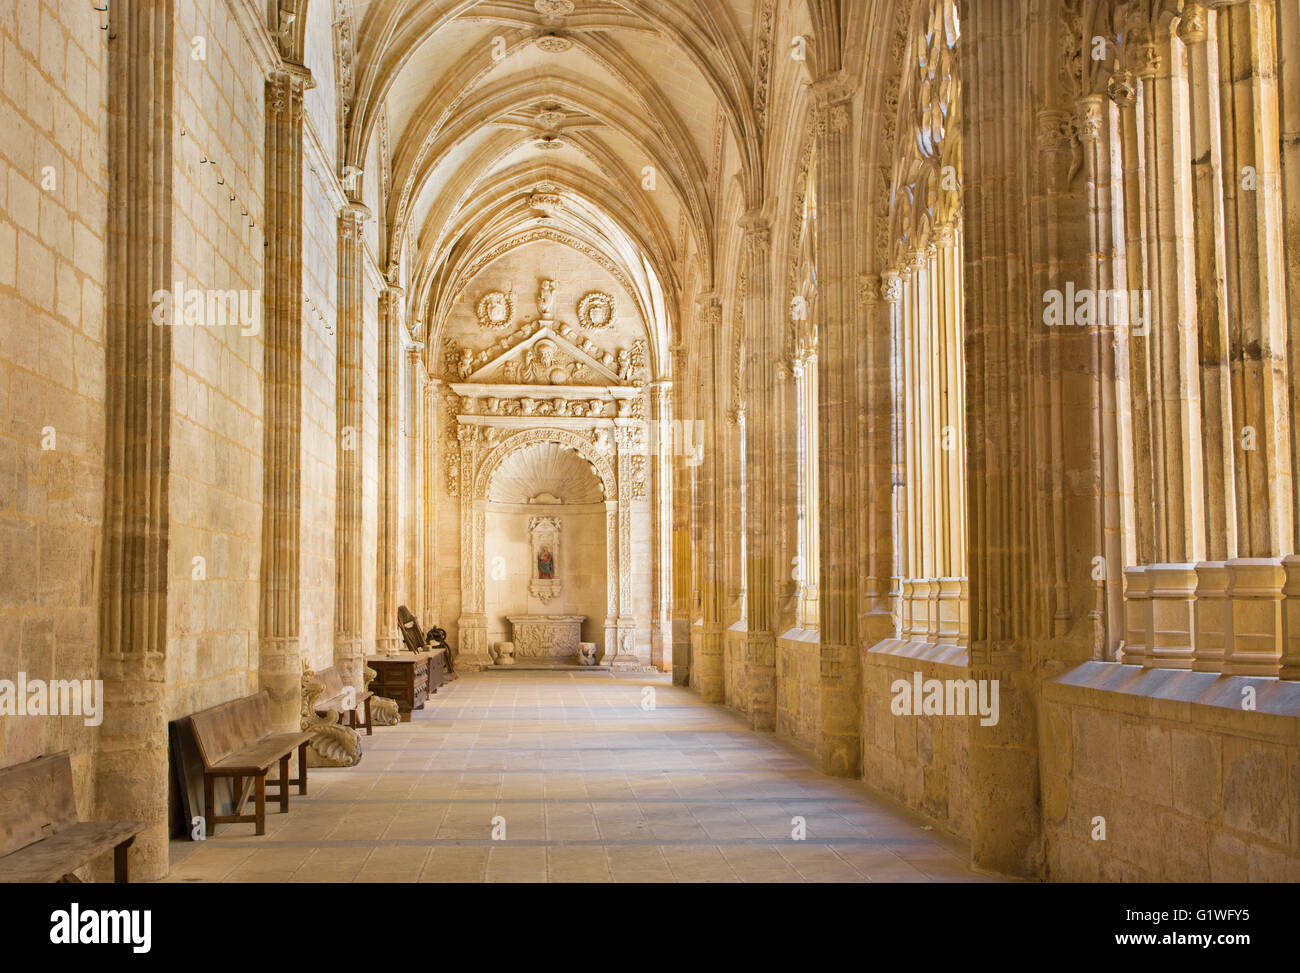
924, 287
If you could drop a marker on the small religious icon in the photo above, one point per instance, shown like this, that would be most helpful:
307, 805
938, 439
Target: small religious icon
545, 564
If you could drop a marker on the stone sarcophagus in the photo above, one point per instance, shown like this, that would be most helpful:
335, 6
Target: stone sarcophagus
547, 638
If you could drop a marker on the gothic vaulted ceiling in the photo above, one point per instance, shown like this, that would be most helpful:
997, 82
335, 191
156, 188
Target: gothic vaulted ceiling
587, 122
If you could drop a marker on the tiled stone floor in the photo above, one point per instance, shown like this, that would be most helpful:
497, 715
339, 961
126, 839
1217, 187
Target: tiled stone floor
592, 787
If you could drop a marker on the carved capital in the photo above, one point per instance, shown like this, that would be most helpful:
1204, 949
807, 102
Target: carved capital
1121, 89
352, 218
832, 98
757, 230
1089, 118
1147, 59
1193, 27
891, 287
1054, 129
710, 312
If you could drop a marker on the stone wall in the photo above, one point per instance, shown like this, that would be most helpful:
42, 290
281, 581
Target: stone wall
216, 436
919, 760
53, 215
798, 687
1162, 776
735, 670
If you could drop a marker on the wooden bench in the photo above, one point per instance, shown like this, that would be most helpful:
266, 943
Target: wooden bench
41, 837
336, 696
235, 740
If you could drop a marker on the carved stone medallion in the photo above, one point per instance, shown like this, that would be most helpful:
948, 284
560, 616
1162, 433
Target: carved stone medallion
495, 310
596, 310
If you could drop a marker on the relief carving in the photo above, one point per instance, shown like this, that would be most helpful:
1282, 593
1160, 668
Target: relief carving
495, 309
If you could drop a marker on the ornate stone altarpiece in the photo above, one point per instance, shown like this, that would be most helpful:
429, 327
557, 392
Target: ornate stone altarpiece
547, 383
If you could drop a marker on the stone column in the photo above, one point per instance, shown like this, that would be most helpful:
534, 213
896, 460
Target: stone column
661, 500
611, 581
1211, 311
875, 449
1255, 281
708, 661
413, 545
762, 351
686, 446
1032, 511
131, 773
628, 439
1107, 271
837, 419
891, 293
279, 653
391, 402
1288, 34
427, 500
1132, 351
349, 639
473, 647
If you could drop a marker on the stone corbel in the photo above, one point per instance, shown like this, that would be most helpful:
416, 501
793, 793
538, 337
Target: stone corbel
832, 98
331, 744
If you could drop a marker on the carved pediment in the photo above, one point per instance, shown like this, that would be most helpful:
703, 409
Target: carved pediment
540, 354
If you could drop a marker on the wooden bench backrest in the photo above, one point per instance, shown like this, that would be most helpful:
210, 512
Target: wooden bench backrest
228, 728
332, 681
410, 626
36, 801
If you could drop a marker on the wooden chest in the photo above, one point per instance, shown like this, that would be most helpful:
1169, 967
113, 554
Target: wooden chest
404, 678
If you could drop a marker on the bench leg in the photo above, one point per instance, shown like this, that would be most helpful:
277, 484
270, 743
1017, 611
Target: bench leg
370, 723
209, 805
121, 863
284, 783
261, 803
302, 768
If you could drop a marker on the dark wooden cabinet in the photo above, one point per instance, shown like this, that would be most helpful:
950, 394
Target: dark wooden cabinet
408, 678
403, 678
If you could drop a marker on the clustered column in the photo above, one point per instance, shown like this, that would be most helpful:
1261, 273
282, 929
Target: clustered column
837, 412
415, 514
709, 551
349, 641
390, 485
279, 653
131, 766
661, 490
762, 351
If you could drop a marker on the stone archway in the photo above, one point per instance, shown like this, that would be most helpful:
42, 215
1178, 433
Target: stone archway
607, 445
547, 546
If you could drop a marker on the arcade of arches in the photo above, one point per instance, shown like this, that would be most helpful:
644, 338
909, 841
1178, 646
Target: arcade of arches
915, 379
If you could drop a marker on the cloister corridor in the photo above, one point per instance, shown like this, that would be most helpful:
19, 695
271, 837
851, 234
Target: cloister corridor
593, 786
